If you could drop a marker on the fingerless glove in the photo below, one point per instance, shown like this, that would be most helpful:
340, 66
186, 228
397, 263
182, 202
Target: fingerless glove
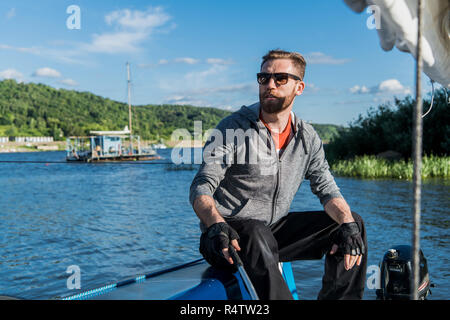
217, 237
349, 240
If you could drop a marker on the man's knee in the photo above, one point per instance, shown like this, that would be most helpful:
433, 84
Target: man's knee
251, 227
256, 240
253, 230
359, 220
357, 217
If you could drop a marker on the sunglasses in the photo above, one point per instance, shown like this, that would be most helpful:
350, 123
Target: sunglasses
280, 78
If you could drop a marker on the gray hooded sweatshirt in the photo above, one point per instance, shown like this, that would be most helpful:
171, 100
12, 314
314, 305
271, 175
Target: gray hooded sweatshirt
248, 179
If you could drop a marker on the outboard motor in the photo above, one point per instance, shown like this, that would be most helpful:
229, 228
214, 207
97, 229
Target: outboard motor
396, 275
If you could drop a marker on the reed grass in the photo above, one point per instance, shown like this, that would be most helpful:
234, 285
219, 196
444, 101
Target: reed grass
373, 168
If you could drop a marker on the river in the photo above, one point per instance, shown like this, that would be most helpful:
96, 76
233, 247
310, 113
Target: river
120, 220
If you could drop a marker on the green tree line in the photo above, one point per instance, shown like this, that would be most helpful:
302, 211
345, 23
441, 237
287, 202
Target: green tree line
389, 127
30, 109
40, 110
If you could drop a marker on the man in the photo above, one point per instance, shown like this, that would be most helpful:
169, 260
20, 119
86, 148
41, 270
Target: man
245, 204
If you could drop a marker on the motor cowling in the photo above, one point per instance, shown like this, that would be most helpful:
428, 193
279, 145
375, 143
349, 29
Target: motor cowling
396, 274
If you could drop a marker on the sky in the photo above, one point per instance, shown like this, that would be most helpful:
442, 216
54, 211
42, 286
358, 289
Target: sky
203, 53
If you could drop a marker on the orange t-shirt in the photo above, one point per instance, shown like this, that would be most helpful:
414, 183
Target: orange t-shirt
282, 139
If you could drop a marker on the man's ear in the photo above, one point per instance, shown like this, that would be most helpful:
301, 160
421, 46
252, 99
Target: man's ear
300, 87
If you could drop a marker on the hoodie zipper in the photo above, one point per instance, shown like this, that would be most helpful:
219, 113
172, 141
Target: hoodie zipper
277, 186
272, 143
277, 189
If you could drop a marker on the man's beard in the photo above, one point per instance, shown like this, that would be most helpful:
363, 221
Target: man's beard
277, 105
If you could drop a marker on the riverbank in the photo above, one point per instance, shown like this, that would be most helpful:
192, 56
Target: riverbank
12, 147
371, 167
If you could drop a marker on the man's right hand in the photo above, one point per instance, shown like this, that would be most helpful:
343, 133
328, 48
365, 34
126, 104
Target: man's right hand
215, 241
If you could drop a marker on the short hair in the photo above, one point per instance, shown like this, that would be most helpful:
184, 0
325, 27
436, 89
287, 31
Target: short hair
296, 58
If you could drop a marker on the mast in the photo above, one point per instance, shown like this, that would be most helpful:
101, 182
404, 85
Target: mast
129, 106
417, 156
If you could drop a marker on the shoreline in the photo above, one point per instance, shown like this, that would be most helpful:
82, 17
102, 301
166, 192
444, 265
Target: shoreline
21, 147
371, 167
365, 167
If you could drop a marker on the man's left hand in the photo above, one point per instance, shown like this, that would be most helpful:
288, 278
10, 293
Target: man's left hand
348, 239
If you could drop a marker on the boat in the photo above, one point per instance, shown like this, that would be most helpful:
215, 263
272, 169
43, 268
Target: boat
110, 146
195, 280
159, 146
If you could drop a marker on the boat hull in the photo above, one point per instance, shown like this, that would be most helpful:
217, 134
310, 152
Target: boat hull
114, 158
195, 280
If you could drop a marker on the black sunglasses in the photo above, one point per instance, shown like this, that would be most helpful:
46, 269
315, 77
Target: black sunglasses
280, 78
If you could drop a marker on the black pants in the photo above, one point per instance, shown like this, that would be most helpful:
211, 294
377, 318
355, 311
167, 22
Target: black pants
298, 236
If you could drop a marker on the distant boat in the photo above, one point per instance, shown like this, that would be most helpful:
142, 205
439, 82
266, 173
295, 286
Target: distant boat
159, 146
110, 146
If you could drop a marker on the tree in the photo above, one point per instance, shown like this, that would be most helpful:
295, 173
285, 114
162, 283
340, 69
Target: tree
390, 128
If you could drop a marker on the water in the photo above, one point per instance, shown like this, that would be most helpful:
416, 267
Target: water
119, 220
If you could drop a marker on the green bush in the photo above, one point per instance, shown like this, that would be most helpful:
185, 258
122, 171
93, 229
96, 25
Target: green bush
390, 128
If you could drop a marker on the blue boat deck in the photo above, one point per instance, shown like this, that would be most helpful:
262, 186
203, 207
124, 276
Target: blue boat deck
193, 281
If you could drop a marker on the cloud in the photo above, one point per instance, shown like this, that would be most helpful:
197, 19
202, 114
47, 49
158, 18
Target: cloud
132, 28
311, 88
11, 74
199, 76
52, 73
389, 86
185, 100
212, 96
11, 13
219, 61
32, 50
52, 54
189, 61
358, 89
47, 73
322, 58
118, 42
128, 30
161, 62
244, 87
69, 82
393, 86
186, 60
138, 20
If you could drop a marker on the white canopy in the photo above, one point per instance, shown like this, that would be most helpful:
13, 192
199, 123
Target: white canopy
398, 26
125, 131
